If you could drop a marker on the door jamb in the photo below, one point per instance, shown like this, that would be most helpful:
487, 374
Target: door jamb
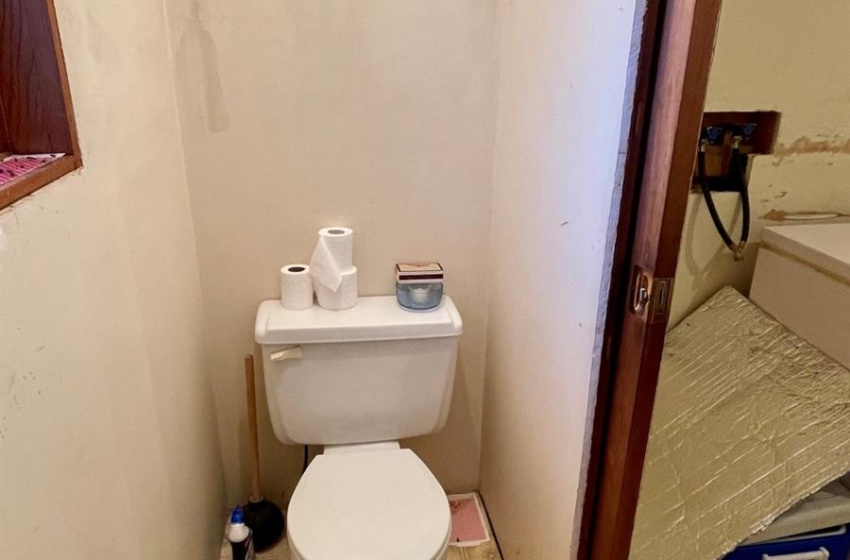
676, 47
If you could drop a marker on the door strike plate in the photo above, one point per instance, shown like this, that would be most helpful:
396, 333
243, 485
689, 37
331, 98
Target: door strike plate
650, 296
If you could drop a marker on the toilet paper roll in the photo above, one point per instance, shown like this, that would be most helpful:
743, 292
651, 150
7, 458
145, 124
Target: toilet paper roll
296, 287
333, 254
345, 297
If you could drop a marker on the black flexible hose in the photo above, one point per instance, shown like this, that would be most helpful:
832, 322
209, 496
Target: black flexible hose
709, 201
745, 195
736, 248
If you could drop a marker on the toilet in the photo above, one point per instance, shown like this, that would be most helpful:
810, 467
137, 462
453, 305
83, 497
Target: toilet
356, 382
802, 278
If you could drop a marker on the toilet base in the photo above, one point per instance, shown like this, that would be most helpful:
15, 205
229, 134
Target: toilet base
442, 555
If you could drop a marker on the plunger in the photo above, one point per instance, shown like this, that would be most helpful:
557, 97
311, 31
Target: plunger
262, 516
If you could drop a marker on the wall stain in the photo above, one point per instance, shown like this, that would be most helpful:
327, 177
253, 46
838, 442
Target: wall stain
783, 216
10, 382
198, 66
805, 145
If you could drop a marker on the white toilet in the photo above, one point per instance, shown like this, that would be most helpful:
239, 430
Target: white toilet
357, 381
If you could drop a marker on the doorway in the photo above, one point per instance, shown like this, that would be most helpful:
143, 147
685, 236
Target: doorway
672, 73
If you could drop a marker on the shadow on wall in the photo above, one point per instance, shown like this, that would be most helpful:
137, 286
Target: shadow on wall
705, 264
198, 60
459, 454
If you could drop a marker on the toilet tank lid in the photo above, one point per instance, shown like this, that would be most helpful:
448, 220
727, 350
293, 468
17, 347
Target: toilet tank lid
374, 318
822, 246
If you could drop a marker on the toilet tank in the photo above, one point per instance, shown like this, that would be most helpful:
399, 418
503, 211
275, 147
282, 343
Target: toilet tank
376, 372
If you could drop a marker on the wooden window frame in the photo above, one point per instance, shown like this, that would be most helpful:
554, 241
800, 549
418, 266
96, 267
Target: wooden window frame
36, 113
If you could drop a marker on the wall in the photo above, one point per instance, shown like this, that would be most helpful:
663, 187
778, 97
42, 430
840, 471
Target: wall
106, 449
298, 115
789, 57
563, 73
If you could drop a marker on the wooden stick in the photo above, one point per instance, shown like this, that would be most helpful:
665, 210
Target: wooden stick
252, 428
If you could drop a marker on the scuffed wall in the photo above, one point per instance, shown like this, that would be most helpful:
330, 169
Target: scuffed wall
790, 57
106, 445
563, 68
376, 115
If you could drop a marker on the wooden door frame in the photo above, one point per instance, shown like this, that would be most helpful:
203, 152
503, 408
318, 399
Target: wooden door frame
669, 80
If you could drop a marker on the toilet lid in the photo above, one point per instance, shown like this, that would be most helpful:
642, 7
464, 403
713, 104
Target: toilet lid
370, 505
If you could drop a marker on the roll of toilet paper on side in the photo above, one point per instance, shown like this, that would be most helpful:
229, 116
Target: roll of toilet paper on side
345, 297
334, 253
296, 287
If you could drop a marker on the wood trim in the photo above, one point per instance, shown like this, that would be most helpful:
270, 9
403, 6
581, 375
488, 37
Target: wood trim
59, 56
648, 40
36, 112
30, 78
632, 348
5, 142
27, 184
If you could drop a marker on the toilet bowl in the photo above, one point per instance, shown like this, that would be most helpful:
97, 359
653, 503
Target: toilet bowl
376, 503
356, 382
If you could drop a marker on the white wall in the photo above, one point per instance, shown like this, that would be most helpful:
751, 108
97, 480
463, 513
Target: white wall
377, 115
563, 72
790, 57
106, 445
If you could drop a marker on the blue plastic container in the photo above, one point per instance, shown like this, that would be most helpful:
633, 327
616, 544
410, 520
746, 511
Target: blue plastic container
835, 541
419, 296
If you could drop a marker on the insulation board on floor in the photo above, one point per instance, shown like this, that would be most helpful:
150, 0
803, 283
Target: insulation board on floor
749, 419
826, 508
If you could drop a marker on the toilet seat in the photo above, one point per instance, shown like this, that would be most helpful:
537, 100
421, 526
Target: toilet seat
368, 505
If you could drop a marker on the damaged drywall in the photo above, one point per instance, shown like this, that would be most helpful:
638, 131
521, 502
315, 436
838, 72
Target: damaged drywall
806, 145
784, 57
